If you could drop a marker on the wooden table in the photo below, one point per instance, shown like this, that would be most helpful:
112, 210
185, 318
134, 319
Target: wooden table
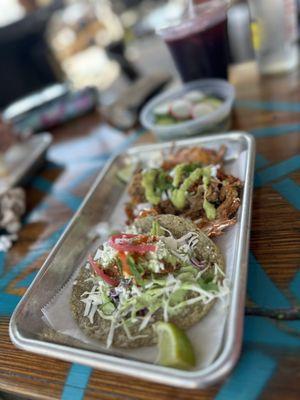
269, 367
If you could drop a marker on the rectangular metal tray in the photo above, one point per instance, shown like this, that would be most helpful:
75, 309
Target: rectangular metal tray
27, 329
22, 159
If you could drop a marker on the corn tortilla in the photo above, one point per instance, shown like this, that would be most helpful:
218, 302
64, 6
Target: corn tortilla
185, 318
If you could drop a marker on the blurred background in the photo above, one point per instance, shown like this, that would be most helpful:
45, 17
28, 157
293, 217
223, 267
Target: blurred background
91, 42
103, 44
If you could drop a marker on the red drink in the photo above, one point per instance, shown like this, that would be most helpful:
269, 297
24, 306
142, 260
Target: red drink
199, 44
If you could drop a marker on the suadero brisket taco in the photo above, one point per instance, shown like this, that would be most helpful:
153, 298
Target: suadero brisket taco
162, 269
190, 183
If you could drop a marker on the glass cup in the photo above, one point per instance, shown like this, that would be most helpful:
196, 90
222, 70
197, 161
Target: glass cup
199, 41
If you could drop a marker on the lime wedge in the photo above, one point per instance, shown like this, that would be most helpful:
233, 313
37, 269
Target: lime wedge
125, 174
174, 347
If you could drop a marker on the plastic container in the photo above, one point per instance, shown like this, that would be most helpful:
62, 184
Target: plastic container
216, 121
198, 41
274, 35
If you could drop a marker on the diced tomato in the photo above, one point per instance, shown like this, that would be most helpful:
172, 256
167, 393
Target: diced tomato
125, 266
99, 271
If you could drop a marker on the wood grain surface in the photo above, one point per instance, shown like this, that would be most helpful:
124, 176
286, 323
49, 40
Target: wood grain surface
269, 367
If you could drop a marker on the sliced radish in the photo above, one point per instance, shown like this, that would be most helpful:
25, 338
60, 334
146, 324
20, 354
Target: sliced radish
180, 109
162, 110
194, 96
201, 110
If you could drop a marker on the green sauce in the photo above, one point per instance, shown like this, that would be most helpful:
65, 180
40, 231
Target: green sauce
148, 183
209, 209
154, 182
179, 171
178, 197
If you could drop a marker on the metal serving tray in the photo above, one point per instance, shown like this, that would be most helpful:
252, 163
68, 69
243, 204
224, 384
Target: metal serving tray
22, 159
27, 328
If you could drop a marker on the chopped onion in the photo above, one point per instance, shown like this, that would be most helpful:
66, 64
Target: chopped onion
197, 263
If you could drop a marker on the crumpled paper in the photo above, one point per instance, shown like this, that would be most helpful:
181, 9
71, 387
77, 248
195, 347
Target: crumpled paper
12, 200
12, 207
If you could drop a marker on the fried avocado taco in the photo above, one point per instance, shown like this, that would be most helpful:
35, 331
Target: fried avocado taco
162, 269
192, 184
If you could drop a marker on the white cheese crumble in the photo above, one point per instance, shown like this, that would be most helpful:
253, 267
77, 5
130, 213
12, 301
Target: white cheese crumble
105, 256
154, 257
155, 266
161, 250
131, 229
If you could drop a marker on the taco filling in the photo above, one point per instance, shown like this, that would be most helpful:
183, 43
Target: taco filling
162, 269
193, 187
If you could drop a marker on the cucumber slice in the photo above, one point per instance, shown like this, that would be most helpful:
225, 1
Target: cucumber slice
165, 120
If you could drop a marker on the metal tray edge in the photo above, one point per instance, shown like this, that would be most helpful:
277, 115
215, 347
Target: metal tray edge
225, 363
29, 164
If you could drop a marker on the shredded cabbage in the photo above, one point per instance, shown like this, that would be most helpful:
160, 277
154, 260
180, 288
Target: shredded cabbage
166, 293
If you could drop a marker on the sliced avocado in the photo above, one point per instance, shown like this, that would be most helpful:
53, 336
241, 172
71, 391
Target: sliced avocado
165, 120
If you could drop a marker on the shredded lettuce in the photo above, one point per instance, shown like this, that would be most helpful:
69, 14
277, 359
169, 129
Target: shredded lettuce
150, 291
